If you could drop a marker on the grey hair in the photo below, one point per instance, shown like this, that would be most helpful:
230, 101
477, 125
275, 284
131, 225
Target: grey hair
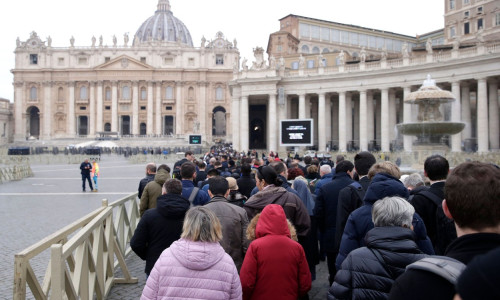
201, 224
414, 180
392, 211
326, 169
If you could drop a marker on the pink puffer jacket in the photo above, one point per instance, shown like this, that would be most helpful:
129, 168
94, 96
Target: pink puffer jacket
193, 270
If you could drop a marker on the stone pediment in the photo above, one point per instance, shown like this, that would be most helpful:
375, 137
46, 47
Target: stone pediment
123, 63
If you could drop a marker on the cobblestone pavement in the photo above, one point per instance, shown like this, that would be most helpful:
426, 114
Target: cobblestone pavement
33, 208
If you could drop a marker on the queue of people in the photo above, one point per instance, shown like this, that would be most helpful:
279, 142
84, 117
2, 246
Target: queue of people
260, 226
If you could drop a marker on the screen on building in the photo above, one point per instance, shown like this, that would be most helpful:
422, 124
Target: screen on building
296, 132
194, 139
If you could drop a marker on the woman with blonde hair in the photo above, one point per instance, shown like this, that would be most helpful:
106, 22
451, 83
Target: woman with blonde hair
195, 266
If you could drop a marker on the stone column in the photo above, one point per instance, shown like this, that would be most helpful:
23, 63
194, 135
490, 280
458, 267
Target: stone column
20, 124
342, 122
493, 115
92, 109
114, 106
272, 144
348, 117
466, 116
363, 124
179, 115
335, 122
135, 108
244, 119
202, 113
328, 120
321, 122
392, 115
47, 111
71, 110
235, 120
482, 116
370, 116
355, 123
408, 139
384, 120
282, 112
302, 106
158, 114
456, 139
99, 119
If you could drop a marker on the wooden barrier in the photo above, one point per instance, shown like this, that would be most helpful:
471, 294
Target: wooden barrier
83, 266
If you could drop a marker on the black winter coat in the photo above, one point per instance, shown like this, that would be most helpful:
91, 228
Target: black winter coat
144, 182
245, 185
158, 228
364, 276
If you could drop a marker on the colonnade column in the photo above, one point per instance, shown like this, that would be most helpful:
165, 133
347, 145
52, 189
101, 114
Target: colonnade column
99, 107
135, 108
348, 117
302, 106
482, 116
178, 108
392, 115
328, 120
466, 117
408, 139
370, 117
283, 107
363, 118
20, 130
202, 113
342, 122
493, 115
71, 110
92, 109
244, 123
272, 144
235, 120
114, 106
384, 120
321, 123
47, 112
456, 139
158, 120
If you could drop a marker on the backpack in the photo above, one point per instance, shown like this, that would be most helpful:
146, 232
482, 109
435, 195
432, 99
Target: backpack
446, 267
359, 191
192, 196
445, 228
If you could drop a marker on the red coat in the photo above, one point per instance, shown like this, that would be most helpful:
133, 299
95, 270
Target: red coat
275, 266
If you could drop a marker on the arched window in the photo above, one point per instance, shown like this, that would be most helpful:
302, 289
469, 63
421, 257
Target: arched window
60, 94
219, 93
219, 121
126, 92
107, 93
33, 93
191, 93
315, 50
83, 93
305, 49
169, 93
325, 50
144, 94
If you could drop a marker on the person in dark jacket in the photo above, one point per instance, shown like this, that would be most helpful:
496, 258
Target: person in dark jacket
153, 189
85, 168
368, 272
282, 171
271, 192
150, 176
201, 174
188, 174
246, 183
472, 193
235, 197
160, 227
326, 210
384, 183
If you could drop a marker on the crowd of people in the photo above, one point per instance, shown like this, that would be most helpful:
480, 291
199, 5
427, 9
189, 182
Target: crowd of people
231, 225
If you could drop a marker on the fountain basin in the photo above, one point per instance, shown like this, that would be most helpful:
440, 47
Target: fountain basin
430, 128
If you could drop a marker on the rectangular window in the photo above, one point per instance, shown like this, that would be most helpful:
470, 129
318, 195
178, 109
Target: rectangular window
363, 40
60, 61
304, 30
168, 108
315, 32
344, 37
295, 65
480, 10
452, 32
83, 108
310, 64
219, 59
143, 107
168, 61
466, 28
353, 38
143, 60
33, 59
143, 94
280, 48
325, 34
479, 24
466, 2
466, 14
497, 19
335, 35
372, 42
82, 60
380, 42
107, 59
169, 93
107, 107
452, 4
191, 62
388, 44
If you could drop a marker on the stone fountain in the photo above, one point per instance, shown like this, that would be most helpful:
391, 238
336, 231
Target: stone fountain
431, 126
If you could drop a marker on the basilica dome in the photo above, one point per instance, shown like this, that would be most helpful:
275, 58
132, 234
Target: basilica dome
163, 27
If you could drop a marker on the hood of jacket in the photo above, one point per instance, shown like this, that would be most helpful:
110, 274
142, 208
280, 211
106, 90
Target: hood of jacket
197, 255
161, 176
384, 185
272, 221
265, 197
172, 205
